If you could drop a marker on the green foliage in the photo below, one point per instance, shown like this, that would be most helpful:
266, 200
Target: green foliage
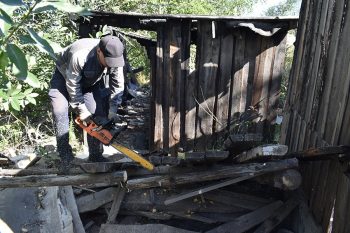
16, 40
287, 8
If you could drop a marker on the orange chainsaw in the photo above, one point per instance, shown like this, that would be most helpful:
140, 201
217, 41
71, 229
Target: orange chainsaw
104, 130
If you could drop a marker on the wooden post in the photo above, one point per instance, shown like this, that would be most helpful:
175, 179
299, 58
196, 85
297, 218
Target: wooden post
118, 198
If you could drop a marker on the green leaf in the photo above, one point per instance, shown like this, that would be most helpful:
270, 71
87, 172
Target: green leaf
18, 58
15, 104
31, 100
5, 22
32, 80
26, 39
28, 91
41, 43
4, 60
33, 95
59, 5
12, 2
5, 17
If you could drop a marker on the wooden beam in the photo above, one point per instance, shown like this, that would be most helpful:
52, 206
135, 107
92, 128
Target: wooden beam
278, 216
67, 197
215, 173
247, 221
94, 200
199, 191
262, 152
242, 200
97, 180
118, 198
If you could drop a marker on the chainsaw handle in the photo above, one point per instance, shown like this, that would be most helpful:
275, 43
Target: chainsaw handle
95, 131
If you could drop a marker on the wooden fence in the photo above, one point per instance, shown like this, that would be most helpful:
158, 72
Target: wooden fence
318, 106
235, 68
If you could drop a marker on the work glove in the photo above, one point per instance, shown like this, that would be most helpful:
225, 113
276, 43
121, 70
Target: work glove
84, 113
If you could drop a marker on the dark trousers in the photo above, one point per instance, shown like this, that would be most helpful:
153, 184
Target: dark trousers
96, 101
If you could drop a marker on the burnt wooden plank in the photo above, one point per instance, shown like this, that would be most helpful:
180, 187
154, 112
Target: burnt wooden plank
340, 207
174, 87
248, 221
207, 70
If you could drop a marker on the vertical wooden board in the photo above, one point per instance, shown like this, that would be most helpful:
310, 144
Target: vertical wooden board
296, 136
266, 78
152, 51
237, 73
330, 194
301, 139
175, 84
224, 81
252, 50
284, 138
331, 62
343, 91
185, 62
276, 78
306, 82
190, 118
312, 95
158, 115
298, 52
208, 65
341, 201
166, 84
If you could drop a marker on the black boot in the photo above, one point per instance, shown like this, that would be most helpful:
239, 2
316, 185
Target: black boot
97, 158
66, 160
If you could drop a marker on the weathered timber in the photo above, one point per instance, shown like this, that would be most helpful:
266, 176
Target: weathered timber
278, 216
247, 141
199, 191
118, 198
262, 152
322, 153
5, 161
97, 180
67, 198
153, 200
286, 180
94, 200
37, 171
246, 222
205, 156
189, 157
193, 216
109, 228
237, 199
214, 173
147, 214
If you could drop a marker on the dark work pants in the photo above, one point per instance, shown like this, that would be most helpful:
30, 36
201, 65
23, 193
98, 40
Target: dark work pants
96, 101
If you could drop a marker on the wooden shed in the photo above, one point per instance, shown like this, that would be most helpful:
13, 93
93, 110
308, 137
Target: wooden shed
318, 107
238, 66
